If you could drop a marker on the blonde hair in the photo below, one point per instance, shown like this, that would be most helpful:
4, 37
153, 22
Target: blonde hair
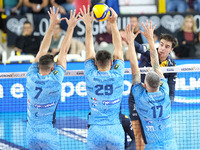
194, 27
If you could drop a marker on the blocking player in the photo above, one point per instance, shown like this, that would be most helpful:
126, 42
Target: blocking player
152, 100
166, 46
43, 87
104, 84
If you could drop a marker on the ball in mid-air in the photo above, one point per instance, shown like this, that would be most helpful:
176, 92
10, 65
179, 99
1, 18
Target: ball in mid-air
101, 12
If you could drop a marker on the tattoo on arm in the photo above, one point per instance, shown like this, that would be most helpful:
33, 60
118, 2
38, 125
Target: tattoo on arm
154, 59
136, 78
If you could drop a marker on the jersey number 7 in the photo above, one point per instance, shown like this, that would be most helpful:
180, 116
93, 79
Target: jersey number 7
39, 92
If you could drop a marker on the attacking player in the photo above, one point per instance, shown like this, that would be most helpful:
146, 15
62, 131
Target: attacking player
43, 87
104, 84
152, 100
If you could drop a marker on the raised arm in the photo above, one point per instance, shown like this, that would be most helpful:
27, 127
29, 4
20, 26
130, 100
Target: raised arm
44, 47
88, 18
130, 36
62, 56
116, 38
153, 52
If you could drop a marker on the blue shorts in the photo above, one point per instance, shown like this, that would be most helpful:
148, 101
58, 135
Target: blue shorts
107, 137
169, 145
45, 139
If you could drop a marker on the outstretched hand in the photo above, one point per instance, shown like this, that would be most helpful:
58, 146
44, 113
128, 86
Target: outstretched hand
53, 14
112, 18
130, 36
86, 15
148, 30
72, 21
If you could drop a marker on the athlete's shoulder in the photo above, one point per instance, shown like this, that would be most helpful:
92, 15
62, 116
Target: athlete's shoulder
137, 89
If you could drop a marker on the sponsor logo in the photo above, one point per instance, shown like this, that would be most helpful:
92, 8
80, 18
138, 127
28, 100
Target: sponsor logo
188, 69
170, 69
42, 106
40, 82
150, 128
116, 66
55, 72
111, 102
80, 72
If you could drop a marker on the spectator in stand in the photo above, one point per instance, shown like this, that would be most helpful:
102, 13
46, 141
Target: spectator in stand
27, 43
140, 38
105, 37
12, 7
186, 38
104, 40
56, 40
176, 5
65, 6
124, 44
36, 6
76, 46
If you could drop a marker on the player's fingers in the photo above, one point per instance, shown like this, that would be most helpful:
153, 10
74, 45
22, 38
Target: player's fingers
81, 11
84, 9
132, 28
147, 24
74, 13
49, 13
92, 14
112, 11
154, 27
51, 10
137, 33
142, 32
126, 29
150, 25
78, 15
144, 26
61, 19
88, 9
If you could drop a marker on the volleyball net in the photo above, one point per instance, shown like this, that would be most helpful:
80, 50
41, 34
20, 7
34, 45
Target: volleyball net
73, 109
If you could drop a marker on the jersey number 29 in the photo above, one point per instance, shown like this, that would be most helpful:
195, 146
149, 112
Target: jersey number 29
104, 90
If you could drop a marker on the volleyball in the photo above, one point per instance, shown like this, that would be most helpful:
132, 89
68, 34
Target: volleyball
101, 11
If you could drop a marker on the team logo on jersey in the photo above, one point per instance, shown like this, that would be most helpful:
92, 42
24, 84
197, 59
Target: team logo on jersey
161, 84
116, 66
55, 72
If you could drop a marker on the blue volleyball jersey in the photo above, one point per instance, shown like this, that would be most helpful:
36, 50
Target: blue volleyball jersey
104, 91
154, 110
43, 95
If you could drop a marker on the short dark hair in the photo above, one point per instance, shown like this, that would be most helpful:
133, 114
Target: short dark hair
169, 38
46, 61
27, 22
103, 58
